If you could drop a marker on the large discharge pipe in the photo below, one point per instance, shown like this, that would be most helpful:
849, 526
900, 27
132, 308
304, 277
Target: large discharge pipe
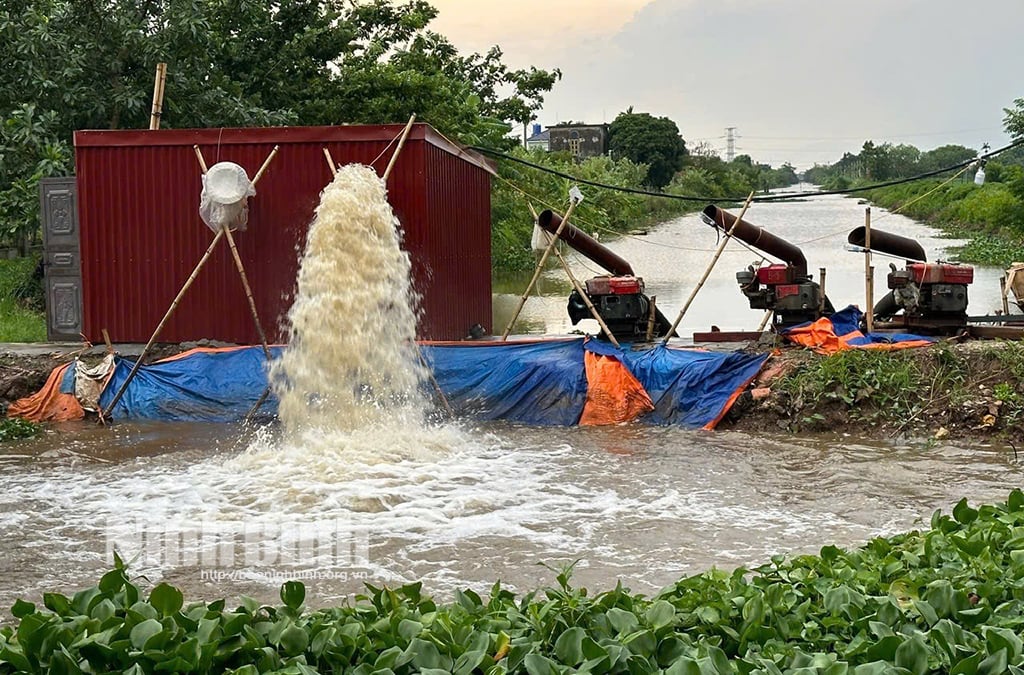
585, 244
758, 238
890, 243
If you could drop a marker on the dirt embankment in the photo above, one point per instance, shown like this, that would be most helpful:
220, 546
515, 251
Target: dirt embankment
24, 369
967, 390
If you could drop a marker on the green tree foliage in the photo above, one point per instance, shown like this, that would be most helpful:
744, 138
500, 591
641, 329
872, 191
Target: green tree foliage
70, 64
654, 141
707, 174
602, 211
1014, 120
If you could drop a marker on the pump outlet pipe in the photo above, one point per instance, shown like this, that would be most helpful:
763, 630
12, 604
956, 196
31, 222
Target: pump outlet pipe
757, 237
585, 244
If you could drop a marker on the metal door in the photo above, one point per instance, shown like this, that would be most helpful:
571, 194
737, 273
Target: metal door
62, 259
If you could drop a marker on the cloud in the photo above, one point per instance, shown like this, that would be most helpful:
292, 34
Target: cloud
530, 30
803, 80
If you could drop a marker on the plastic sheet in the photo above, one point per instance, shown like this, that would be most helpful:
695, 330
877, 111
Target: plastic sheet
841, 331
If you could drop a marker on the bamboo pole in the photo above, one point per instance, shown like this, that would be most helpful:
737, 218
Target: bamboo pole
330, 162
821, 290
163, 321
398, 150
200, 159
536, 273
433, 381
579, 289
586, 299
266, 163
707, 272
248, 291
869, 311
764, 321
158, 96
650, 318
1003, 293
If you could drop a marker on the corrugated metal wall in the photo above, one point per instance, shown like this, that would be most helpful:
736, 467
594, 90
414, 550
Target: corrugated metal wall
138, 197
458, 197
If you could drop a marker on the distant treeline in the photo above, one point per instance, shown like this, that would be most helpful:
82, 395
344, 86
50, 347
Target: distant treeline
990, 216
703, 174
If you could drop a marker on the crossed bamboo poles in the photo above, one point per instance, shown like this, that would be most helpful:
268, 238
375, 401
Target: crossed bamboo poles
223, 233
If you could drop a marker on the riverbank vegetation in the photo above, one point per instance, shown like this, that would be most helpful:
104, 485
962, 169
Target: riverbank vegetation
943, 599
989, 216
611, 212
969, 390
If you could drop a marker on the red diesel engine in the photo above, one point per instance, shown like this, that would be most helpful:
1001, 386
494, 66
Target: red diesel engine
927, 297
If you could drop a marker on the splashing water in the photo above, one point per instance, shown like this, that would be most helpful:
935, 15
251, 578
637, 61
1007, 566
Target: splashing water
351, 363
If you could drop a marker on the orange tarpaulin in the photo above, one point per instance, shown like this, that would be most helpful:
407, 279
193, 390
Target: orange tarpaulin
614, 396
48, 404
839, 332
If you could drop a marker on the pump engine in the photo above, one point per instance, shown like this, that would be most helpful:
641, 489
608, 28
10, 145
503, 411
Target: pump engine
618, 296
785, 288
622, 304
792, 298
923, 296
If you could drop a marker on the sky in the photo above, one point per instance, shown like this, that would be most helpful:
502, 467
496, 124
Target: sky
802, 81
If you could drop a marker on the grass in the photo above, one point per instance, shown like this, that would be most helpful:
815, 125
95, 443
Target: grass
21, 315
14, 429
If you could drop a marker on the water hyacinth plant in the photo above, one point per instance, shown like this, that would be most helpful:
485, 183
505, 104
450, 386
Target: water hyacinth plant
946, 600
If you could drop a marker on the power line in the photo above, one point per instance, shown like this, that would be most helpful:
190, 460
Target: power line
764, 198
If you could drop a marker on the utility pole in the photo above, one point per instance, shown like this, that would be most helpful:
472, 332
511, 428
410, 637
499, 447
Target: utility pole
730, 143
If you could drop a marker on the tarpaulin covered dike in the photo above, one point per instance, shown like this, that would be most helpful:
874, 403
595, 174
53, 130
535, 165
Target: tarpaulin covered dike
537, 382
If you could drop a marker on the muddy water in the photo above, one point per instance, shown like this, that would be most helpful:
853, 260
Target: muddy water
221, 511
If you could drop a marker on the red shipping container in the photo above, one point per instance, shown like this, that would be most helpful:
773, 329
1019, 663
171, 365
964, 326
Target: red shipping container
141, 234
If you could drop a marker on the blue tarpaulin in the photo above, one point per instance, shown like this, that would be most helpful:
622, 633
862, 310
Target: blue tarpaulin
532, 382
842, 331
202, 385
539, 383
690, 387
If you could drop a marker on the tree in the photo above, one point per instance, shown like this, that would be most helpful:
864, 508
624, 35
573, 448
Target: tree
1014, 120
654, 141
77, 64
944, 156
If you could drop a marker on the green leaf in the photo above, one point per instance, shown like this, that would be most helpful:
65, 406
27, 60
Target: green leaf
995, 664
57, 603
142, 632
967, 666
661, 613
569, 646
536, 664
294, 640
963, 513
1015, 502
468, 662
21, 609
913, 655
622, 621
408, 629
166, 599
684, 666
1003, 638
293, 593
